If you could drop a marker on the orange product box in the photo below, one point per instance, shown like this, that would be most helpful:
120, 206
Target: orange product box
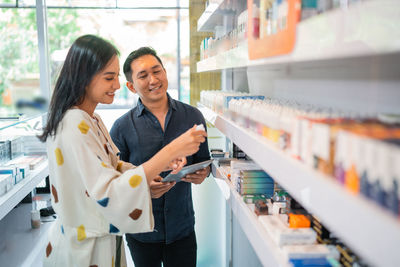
298, 221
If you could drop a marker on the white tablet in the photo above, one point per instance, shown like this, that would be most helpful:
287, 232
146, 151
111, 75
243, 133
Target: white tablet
186, 170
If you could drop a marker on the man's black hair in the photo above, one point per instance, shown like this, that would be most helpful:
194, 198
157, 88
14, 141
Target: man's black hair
135, 55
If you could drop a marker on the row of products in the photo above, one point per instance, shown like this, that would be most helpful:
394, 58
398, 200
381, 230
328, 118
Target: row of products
249, 178
359, 151
269, 17
14, 147
10, 149
301, 238
19, 155
18, 169
211, 46
311, 8
273, 17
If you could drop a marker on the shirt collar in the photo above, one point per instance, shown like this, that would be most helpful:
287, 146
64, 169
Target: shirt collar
141, 108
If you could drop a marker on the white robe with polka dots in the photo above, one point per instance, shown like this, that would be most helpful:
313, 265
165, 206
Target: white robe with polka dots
96, 196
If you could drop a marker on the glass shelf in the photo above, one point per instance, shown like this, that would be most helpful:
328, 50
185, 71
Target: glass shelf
10, 120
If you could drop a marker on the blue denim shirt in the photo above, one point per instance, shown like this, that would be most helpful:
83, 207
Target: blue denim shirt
138, 135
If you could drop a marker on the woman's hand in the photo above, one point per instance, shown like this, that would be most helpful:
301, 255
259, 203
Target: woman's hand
189, 142
158, 188
185, 145
177, 164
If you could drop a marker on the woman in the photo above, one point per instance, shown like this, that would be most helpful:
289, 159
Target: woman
96, 196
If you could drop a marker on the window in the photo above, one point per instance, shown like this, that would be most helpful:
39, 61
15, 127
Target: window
127, 24
128, 29
19, 61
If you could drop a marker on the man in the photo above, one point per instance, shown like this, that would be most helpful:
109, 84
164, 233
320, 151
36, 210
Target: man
139, 134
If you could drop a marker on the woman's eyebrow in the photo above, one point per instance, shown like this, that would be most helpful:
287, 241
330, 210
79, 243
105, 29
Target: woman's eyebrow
109, 72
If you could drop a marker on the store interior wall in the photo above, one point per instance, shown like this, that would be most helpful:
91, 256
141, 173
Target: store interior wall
199, 81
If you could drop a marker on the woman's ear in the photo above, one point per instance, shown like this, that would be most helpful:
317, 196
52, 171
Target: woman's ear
130, 87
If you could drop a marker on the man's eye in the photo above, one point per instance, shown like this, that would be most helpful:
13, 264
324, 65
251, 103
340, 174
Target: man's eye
157, 71
142, 77
110, 79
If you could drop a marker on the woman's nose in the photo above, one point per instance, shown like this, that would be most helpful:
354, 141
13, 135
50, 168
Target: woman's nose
116, 84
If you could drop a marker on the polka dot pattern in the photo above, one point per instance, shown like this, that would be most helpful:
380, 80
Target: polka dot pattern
83, 127
81, 233
113, 229
119, 166
54, 193
49, 248
103, 202
135, 180
87, 194
59, 156
135, 214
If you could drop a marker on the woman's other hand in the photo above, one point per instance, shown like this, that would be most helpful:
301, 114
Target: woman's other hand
189, 142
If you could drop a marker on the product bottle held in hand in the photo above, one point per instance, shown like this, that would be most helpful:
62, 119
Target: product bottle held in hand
200, 127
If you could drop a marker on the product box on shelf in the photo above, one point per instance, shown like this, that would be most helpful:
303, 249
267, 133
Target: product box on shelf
28, 163
5, 151
17, 147
249, 178
283, 235
313, 251
32, 145
13, 171
6, 183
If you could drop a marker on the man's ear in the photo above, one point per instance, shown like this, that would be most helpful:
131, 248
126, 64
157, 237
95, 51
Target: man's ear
130, 87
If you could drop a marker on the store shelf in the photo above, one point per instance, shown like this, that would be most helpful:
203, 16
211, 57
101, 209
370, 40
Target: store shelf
212, 17
20, 190
267, 251
369, 230
20, 244
233, 58
365, 29
8, 123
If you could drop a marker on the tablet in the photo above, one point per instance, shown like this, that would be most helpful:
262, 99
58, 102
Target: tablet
186, 170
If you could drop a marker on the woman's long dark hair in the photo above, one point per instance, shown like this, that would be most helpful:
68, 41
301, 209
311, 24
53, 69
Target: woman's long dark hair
87, 56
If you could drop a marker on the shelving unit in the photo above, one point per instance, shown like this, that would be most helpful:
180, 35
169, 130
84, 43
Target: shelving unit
6, 124
234, 58
268, 252
343, 59
20, 190
357, 221
28, 125
363, 30
21, 245
211, 17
